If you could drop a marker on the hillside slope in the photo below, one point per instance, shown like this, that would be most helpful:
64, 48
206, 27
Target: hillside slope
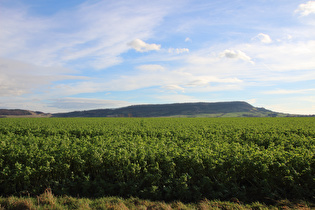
201, 109
21, 113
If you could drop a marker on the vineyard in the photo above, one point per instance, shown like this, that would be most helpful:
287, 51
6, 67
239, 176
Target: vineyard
187, 159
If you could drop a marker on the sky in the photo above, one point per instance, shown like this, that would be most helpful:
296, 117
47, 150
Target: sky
61, 56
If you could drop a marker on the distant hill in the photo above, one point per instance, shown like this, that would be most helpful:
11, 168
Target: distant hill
201, 109
21, 113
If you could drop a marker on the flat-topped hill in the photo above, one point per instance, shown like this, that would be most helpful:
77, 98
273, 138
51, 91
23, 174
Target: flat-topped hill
200, 109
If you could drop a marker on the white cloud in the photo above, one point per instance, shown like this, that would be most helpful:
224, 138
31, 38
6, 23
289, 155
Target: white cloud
141, 46
306, 9
151, 67
178, 50
236, 54
264, 38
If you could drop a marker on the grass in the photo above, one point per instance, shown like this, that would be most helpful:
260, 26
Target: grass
48, 201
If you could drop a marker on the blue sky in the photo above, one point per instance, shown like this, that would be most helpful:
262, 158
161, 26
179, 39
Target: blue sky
59, 56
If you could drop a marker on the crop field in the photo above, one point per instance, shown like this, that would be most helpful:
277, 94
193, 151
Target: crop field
185, 159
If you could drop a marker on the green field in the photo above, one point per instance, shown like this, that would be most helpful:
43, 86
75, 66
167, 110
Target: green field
185, 159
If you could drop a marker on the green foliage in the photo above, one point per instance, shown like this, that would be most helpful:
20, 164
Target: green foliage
186, 159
